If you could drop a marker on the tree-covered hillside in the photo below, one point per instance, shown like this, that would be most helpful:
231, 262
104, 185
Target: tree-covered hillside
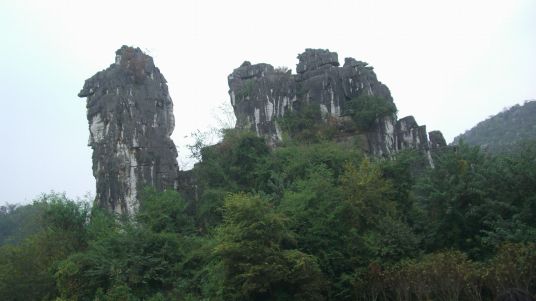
305, 221
504, 131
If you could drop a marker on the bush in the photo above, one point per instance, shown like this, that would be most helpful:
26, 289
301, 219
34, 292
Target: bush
365, 110
305, 124
444, 276
246, 89
514, 266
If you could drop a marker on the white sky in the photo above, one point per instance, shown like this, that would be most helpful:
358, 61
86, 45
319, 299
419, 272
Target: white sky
449, 63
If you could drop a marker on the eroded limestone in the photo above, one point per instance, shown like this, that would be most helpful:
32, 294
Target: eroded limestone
130, 115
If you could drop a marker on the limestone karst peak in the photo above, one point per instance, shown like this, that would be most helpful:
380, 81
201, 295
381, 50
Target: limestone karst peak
261, 96
130, 115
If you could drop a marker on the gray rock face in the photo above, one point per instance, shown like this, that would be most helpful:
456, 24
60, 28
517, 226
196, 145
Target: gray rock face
261, 94
130, 116
313, 59
437, 140
409, 134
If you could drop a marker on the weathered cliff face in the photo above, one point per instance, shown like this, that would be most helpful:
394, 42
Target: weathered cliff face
130, 116
261, 94
437, 140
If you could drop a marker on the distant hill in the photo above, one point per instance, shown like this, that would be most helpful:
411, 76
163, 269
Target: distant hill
502, 132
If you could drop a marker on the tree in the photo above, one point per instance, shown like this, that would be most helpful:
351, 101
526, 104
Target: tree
455, 202
27, 269
165, 212
253, 244
367, 195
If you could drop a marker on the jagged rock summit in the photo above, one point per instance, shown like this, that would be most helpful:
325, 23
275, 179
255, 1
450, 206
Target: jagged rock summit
130, 115
261, 95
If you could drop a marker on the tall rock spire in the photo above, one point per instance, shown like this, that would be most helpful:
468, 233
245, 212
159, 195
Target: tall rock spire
130, 115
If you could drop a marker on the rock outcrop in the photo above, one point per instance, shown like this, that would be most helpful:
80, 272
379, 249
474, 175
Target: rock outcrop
261, 94
130, 116
437, 140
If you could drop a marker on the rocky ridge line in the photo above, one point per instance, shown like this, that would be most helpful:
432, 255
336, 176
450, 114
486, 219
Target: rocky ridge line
260, 94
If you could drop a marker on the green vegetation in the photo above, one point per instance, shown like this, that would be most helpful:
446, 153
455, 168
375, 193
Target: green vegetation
18, 222
304, 125
505, 131
365, 110
314, 221
245, 90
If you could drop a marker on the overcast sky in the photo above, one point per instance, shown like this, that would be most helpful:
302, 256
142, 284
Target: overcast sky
449, 63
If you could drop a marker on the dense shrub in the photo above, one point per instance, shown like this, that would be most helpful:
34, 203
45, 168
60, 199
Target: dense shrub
365, 110
306, 125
